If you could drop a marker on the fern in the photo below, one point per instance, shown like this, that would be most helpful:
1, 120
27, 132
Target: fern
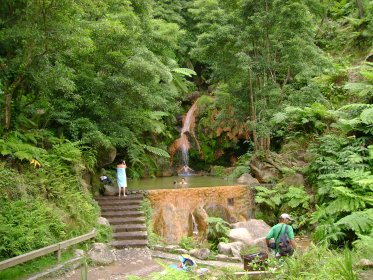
184, 71
157, 151
366, 116
297, 196
360, 222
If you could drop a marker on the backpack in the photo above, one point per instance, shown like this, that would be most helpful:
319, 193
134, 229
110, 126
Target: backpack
284, 246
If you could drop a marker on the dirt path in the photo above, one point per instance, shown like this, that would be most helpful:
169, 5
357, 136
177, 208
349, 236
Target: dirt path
128, 262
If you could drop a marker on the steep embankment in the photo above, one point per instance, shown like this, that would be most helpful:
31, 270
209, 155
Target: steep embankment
42, 197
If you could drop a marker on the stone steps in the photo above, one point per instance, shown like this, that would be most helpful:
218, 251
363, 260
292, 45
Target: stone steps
120, 244
115, 197
109, 208
129, 227
116, 214
126, 220
120, 202
130, 235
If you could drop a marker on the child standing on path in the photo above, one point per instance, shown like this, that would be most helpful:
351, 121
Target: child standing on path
121, 177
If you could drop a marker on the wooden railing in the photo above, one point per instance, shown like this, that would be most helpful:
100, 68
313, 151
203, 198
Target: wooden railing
46, 250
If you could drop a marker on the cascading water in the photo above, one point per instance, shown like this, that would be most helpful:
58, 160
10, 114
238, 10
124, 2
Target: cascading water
183, 143
195, 226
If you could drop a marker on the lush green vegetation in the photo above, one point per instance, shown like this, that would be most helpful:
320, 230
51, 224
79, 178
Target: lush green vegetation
280, 82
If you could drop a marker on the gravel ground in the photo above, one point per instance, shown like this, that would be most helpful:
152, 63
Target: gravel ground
128, 262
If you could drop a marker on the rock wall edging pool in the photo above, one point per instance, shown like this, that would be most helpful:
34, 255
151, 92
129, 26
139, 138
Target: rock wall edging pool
173, 209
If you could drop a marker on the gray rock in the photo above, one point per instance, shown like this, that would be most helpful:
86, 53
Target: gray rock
224, 249
103, 221
223, 258
110, 190
247, 179
201, 254
241, 234
256, 228
159, 248
231, 249
235, 259
365, 263
78, 253
100, 254
181, 251
170, 248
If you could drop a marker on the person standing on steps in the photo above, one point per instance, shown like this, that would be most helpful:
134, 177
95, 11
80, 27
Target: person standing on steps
121, 177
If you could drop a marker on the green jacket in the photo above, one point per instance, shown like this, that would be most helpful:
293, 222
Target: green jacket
277, 230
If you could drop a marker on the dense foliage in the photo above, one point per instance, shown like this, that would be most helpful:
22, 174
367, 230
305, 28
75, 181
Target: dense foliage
81, 78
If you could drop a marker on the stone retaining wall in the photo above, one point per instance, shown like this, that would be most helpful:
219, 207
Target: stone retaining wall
173, 209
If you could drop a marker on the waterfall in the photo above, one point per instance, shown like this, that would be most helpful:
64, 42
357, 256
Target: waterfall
182, 143
188, 126
195, 227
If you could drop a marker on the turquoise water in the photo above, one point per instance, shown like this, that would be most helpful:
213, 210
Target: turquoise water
167, 182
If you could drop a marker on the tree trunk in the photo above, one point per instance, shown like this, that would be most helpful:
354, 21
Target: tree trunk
360, 7
253, 110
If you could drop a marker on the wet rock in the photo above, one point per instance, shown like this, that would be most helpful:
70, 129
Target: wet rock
100, 254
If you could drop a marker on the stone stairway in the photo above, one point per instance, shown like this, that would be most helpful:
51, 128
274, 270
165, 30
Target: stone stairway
126, 220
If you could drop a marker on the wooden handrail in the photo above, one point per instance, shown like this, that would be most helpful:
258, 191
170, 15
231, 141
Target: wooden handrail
46, 250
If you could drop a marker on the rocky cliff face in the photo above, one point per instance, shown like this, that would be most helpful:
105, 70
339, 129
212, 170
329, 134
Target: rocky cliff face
176, 210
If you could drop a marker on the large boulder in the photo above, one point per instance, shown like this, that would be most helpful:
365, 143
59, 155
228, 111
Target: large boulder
264, 171
256, 228
247, 179
101, 255
242, 235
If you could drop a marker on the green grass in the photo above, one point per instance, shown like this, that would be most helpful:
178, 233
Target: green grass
34, 266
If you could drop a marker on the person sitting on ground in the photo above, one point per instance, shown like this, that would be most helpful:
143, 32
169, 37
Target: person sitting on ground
277, 231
